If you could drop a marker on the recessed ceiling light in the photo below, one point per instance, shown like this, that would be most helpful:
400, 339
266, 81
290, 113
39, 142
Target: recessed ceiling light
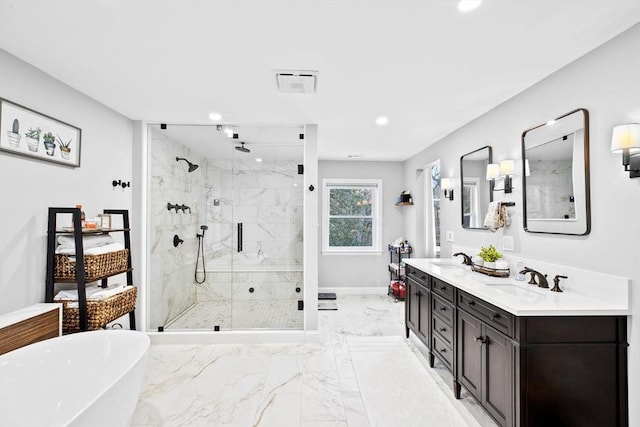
354, 156
382, 120
258, 160
216, 117
467, 5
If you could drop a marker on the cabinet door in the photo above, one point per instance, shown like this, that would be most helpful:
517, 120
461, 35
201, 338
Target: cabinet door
469, 353
498, 376
411, 306
424, 324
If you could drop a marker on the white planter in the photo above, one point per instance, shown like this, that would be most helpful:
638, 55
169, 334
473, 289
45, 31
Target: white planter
477, 261
32, 144
14, 138
489, 264
502, 265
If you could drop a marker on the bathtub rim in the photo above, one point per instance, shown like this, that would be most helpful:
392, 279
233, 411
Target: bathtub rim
35, 347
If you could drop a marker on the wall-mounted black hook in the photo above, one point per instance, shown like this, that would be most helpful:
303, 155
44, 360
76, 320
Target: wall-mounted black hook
172, 206
177, 240
311, 187
121, 183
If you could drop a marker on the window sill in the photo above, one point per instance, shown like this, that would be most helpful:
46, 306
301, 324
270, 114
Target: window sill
348, 252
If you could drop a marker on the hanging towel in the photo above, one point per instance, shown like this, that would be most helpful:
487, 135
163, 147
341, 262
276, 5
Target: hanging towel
497, 216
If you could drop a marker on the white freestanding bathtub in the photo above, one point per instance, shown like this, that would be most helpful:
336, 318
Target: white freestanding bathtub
85, 379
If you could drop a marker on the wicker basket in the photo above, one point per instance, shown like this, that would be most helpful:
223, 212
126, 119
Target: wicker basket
99, 312
95, 266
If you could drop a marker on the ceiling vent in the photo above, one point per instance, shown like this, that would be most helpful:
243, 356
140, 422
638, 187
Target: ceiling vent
296, 81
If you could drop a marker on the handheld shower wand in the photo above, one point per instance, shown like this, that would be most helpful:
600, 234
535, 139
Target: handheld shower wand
201, 250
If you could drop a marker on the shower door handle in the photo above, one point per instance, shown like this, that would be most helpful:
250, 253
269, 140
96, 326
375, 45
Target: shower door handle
239, 237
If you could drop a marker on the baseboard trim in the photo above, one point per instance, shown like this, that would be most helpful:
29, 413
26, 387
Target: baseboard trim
360, 290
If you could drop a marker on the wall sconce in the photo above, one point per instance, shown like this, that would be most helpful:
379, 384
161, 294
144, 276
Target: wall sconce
447, 186
506, 169
626, 140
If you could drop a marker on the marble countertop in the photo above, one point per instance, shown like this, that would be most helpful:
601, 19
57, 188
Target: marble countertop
522, 299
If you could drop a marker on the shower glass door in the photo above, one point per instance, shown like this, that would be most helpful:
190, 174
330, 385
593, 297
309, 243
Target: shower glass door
267, 279
239, 265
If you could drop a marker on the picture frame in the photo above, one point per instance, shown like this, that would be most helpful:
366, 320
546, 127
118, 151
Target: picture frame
29, 133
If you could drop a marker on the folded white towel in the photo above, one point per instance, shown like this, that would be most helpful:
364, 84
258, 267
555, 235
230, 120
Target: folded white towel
91, 251
91, 241
92, 292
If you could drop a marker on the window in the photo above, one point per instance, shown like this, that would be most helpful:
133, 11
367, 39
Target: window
435, 197
470, 208
351, 215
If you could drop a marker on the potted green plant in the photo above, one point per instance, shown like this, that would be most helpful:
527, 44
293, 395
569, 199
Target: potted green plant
14, 134
489, 256
49, 143
33, 138
65, 150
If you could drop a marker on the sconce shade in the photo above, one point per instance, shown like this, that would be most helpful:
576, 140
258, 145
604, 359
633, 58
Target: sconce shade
493, 171
507, 167
626, 137
445, 183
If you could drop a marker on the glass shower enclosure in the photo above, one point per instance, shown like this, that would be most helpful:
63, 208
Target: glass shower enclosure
236, 262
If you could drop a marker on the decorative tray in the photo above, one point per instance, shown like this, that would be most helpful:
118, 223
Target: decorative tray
495, 272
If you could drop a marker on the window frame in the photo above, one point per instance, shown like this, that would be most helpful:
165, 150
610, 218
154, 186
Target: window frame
376, 213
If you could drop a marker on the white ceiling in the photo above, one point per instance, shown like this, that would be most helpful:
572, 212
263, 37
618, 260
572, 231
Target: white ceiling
426, 66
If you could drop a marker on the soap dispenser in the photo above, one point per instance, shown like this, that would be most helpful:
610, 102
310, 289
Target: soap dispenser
520, 267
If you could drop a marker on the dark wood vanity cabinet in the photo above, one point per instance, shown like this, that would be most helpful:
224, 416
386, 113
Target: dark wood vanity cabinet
526, 371
417, 302
485, 365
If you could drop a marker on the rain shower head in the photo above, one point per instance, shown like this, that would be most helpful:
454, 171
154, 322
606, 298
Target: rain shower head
242, 148
192, 166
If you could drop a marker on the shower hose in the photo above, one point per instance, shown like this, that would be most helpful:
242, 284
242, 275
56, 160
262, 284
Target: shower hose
204, 267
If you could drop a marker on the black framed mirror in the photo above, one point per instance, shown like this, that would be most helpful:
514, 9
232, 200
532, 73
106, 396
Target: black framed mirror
555, 182
474, 188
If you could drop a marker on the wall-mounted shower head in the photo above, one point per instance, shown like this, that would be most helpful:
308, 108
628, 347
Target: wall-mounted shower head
242, 148
192, 166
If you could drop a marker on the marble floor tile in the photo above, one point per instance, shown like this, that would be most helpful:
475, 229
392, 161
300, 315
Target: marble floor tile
362, 373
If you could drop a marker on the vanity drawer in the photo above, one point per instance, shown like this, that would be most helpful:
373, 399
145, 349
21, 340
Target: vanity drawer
444, 330
443, 309
443, 289
443, 352
417, 275
488, 313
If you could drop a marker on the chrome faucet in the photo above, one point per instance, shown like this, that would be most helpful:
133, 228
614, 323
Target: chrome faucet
467, 258
542, 278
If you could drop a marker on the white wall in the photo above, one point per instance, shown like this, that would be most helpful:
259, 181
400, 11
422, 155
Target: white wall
363, 270
29, 187
606, 83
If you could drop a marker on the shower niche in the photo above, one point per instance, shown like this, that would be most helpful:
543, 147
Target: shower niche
246, 271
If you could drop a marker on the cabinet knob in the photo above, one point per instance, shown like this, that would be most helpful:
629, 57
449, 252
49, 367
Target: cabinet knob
495, 316
418, 294
443, 350
471, 303
423, 277
443, 308
443, 329
482, 340
443, 288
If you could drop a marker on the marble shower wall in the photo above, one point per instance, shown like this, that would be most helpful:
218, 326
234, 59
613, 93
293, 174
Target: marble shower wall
267, 198
172, 288
550, 189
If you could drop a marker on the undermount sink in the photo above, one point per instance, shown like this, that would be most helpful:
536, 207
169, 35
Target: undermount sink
512, 289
